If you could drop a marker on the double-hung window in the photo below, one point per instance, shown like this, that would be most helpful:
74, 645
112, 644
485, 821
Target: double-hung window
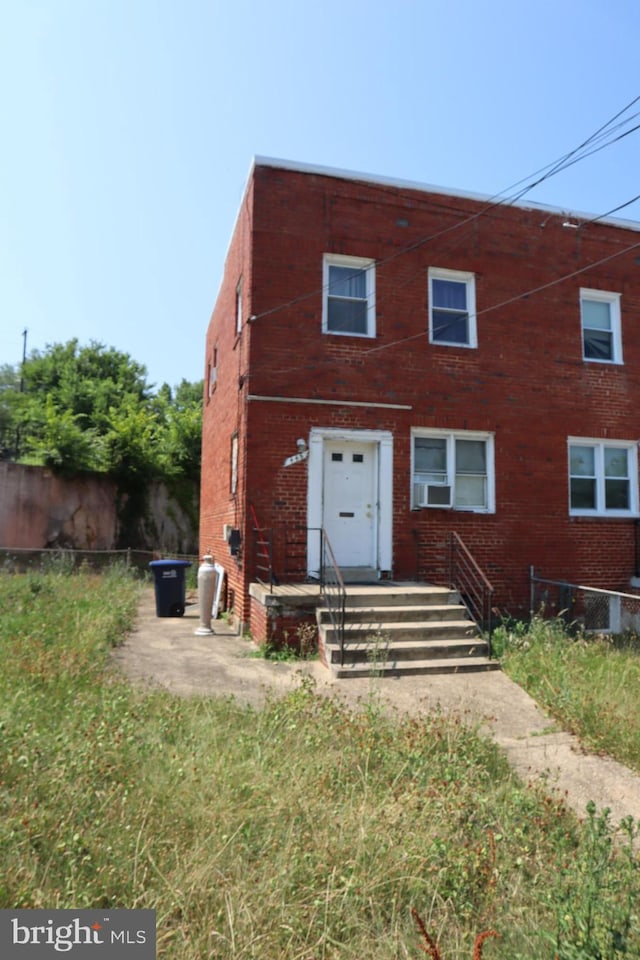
600, 317
349, 296
603, 478
452, 308
453, 470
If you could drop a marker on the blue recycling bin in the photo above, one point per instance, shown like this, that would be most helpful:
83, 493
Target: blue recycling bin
170, 585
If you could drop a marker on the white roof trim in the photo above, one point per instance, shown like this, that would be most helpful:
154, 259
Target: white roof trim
323, 171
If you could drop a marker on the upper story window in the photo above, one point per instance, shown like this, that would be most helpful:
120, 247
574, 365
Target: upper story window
239, 307
601, 333
349, 296
603, 478
452, 308
453, 470
213, 371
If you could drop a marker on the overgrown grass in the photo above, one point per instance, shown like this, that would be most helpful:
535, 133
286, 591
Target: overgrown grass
303, 830
300, 644
589, 683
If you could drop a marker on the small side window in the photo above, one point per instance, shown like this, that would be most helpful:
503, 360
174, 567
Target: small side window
213, 372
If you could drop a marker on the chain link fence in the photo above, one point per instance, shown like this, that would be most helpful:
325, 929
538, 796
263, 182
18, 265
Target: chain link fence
21, 560
586, 608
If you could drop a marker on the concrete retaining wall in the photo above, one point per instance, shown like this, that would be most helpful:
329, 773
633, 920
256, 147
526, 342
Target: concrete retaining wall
40, 509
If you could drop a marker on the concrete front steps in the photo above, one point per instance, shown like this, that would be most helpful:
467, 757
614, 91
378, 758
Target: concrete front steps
398, 629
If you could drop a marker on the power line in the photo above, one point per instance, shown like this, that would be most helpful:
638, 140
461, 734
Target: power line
562, 164
567, 276
609, 212
497, 200
496, 306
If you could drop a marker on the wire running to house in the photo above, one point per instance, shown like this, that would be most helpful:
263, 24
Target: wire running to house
499, 199
520, 296
496, 306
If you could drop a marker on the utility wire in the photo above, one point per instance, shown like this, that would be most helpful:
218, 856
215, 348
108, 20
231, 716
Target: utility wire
609, 212
557, 166
584, 156
525, 294
497, 306
328, 361
575, 155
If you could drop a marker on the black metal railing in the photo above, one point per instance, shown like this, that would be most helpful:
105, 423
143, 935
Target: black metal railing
584, 607
332, 590
475, 591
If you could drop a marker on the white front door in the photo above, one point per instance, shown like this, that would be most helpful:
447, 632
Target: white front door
349, 501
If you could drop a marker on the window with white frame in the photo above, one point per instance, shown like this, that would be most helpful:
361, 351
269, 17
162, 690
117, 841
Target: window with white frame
349, 296
453, 470
603, 478
239, 306
452, 308
601, 333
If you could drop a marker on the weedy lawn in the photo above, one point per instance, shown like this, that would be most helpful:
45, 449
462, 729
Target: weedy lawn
300, 831
589, 683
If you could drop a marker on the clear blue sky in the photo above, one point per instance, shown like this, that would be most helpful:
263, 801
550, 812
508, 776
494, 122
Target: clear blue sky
129, 126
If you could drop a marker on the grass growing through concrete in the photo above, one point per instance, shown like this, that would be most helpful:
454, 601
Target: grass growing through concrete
303, 830
589, 683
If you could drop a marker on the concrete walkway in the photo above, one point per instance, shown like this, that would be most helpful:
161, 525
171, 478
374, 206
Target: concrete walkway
165, 652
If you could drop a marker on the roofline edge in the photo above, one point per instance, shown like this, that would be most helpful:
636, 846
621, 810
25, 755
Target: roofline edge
341, 174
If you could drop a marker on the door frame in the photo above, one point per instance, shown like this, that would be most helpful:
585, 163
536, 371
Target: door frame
384, 482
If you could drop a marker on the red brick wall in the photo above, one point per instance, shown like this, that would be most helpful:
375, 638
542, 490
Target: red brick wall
225, 413
526, 382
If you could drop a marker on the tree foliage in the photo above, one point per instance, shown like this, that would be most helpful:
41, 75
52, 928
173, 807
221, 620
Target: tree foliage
78, 408
9, 388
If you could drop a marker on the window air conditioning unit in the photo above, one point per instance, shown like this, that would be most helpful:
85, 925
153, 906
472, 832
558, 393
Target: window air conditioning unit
432, 494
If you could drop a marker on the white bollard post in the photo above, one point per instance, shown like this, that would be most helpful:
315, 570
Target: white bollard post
206, 590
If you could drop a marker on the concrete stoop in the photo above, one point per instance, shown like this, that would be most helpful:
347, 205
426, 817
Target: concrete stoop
402, 630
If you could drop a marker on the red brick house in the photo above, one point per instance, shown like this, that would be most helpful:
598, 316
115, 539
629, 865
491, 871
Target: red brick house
394, 363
